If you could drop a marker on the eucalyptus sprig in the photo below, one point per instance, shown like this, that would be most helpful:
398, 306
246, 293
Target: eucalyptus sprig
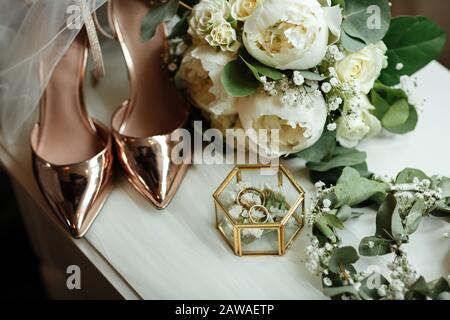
402, 204
164, 11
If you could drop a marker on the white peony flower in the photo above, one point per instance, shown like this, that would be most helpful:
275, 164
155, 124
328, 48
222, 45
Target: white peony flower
357, 123
300, 125
291, 34
199, 74
363, 67
241, 9
222, 122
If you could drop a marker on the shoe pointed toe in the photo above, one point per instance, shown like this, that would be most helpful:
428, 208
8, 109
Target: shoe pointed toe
76, 192
149, 168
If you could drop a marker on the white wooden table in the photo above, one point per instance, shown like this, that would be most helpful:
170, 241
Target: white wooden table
134, 251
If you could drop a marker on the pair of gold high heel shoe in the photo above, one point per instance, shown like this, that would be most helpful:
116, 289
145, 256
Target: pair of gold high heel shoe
73, 154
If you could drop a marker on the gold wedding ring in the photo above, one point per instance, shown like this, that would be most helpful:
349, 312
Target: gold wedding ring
260, 208
248, 205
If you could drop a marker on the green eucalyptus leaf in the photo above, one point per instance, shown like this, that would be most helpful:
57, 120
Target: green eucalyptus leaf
344, 213
384, 218
337, 2
331, 177
351, 44
441, 210
397, 115
409, 125
325, 230
356, 215
439, 287
443, 296
159, 13
443, 183
337, 291
342, 157
389, 94
407, 176
341, 258
380, 104
419, 290
415, 216
333, 221
366, 20
309, 75
258, 69
238, 80
414, 42
370, 285
375, 246
352, 189
322, 148
398, 231
390, 109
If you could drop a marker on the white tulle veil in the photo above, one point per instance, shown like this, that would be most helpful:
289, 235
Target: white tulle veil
32, 31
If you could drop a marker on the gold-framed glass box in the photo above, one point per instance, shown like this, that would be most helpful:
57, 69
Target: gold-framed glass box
273, 224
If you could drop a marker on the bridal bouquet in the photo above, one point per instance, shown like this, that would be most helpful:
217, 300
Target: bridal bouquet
326, 73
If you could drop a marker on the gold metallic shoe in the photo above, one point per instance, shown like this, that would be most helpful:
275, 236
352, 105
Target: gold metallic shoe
72, 155
142, 125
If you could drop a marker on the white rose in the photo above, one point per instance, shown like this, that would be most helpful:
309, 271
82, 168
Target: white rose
300, 125
291, 34
199, 74
357, 123
224, 36
205, 15
363, 67
208, 22
241, 9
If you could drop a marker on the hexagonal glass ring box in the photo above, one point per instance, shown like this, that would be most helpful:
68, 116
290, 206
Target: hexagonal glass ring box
259, 209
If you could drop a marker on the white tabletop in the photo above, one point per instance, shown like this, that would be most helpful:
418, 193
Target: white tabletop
178, 253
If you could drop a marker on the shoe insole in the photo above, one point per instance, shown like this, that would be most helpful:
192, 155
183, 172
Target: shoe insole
66, 135
155, 107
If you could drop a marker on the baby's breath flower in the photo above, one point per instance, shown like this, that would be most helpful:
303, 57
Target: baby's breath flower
172, 67
339, 56
269, 86
334, 82
273, 92
333, 72
331, 126
327, 281
284, 85
333, 49
298, 78
319, 185
326, 87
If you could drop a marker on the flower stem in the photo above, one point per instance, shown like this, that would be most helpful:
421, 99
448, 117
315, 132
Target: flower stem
181, 3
